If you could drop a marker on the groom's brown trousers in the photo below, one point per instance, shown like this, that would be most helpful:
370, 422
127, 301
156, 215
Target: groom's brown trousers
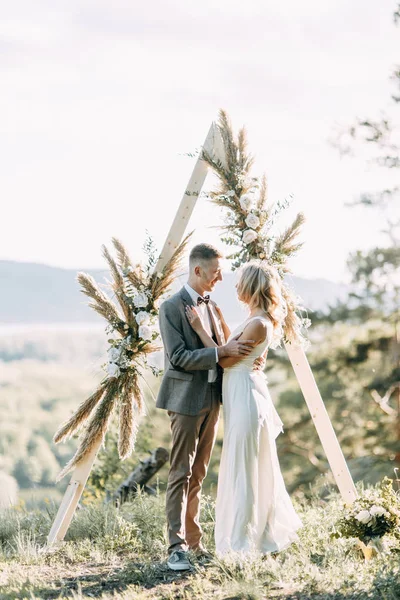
193, 439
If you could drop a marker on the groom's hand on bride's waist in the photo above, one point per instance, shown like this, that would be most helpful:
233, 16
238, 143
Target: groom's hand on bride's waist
236, 348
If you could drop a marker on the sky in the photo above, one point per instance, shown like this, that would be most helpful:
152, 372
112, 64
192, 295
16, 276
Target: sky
101, 102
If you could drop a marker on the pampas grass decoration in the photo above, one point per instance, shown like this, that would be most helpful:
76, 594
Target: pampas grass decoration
96, 429
284, 244
235, 182
102, 305
128, 352
162, 281
292, 326
80, 416
117, 285
126, 264
131, 404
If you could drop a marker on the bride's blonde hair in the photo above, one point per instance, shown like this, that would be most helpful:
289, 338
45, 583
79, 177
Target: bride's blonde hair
259, 286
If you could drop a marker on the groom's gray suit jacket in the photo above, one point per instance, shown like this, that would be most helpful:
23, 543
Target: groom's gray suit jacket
187, 362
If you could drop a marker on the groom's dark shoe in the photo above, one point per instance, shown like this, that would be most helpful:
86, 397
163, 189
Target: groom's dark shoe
178, 561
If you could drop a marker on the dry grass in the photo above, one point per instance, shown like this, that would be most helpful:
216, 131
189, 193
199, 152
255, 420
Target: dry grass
120, 553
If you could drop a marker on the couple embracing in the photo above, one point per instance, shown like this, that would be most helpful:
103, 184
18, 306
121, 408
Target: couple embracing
206, 364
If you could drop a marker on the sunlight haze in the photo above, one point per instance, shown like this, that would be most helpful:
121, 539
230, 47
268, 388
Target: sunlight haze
101, 101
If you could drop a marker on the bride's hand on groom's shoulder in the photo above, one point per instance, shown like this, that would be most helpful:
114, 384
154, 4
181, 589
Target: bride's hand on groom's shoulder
194, 318
220, 314
219, 311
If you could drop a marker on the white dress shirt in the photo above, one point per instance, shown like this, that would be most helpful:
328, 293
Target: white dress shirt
205, 319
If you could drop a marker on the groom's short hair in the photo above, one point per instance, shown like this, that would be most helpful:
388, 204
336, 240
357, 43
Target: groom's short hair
203, 252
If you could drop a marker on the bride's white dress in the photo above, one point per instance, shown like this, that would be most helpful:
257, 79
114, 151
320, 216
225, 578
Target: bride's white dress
253, 509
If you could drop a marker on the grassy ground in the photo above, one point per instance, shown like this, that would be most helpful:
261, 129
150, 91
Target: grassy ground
112, 553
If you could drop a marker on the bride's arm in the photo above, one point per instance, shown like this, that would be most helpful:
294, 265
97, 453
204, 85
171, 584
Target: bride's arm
225, 328
256, 330
197, 326
231, 348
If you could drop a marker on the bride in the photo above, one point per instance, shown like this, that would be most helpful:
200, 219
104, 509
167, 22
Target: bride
253, 509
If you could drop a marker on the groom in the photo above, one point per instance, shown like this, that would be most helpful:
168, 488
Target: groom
191, 392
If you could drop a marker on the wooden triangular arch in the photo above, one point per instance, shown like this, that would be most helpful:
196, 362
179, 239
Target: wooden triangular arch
213, 145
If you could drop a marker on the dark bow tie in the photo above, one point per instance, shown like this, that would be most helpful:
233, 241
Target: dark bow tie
200, 300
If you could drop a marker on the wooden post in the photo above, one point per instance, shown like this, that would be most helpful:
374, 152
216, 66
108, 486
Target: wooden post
81, 473
188, 202
322, 422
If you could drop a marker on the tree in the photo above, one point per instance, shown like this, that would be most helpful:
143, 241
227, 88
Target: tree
376, 272
357, 364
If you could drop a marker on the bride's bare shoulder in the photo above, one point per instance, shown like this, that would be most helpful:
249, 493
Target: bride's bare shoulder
256, 329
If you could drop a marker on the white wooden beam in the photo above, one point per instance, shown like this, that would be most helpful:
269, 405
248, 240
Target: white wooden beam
322, 422
188, 202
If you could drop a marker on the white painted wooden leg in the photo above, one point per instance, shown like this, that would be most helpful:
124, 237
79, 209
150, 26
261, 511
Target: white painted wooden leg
188, 202
71, 497
322, 422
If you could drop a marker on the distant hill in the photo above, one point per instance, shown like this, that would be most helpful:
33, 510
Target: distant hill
36, 293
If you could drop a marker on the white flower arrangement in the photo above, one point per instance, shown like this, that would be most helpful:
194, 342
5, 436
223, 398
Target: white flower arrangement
123, 352
375, 513
378, 510
249, 236
246, 202
142, 317
252, 221
364, 516
250, 218
114, 353
145, 332
113, 370
140, 300
131, 317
